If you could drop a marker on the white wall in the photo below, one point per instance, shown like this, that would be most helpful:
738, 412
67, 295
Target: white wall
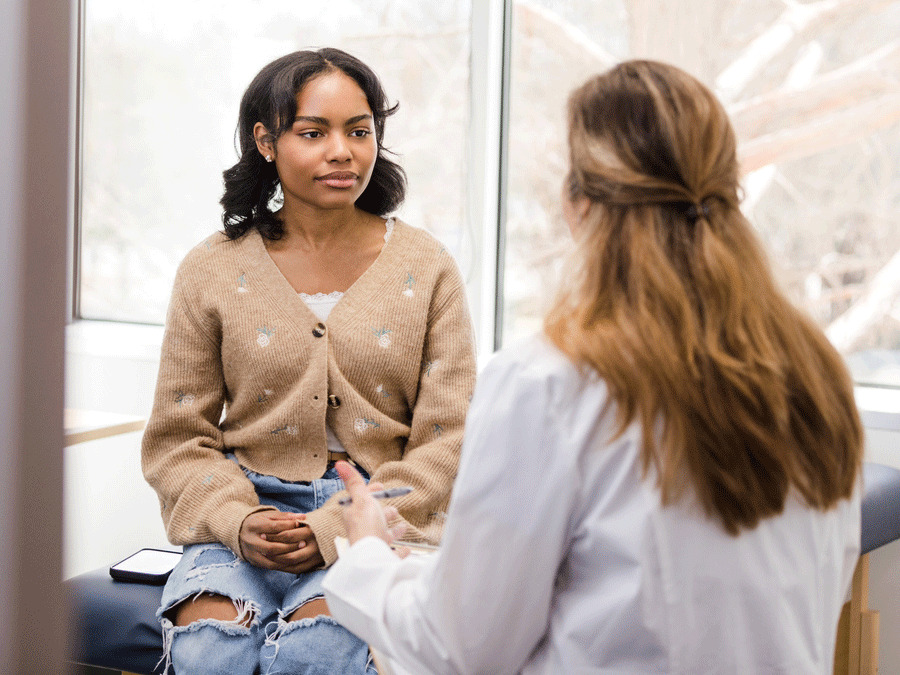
110, 510
34, 190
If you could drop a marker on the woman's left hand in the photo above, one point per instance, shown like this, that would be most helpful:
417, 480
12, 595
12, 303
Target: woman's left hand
364, 516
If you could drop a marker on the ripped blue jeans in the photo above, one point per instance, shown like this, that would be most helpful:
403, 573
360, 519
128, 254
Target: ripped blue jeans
270, 645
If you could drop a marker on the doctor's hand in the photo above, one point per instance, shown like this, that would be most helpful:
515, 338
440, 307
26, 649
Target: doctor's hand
365, 516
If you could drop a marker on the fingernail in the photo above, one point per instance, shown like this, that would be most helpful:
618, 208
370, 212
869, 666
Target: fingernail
302, 544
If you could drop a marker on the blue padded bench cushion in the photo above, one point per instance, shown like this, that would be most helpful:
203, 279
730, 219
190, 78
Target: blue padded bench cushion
114, 623
880, 506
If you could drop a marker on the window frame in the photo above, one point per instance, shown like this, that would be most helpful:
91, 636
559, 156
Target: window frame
77, 118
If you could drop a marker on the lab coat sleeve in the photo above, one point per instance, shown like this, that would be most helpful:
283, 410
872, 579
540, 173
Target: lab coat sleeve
482, 603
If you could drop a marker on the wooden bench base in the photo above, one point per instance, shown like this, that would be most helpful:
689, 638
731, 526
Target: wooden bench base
856, 650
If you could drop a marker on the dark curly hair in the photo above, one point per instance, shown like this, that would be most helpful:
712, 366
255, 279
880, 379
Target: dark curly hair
271, 99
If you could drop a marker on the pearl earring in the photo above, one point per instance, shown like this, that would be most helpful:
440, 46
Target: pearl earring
268, 158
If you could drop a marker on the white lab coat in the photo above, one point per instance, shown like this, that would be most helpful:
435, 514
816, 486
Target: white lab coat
558, 558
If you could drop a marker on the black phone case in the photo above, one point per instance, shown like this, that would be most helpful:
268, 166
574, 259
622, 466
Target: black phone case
134, 576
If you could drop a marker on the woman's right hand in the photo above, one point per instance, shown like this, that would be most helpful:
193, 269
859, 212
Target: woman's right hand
278, 540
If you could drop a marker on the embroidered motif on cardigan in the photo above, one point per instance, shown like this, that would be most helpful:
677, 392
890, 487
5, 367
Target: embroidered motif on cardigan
242, 284
363, 423
383, 337
409, 283
265, 333
185, 400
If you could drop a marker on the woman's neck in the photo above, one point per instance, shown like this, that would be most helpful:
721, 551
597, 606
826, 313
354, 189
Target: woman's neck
317, 229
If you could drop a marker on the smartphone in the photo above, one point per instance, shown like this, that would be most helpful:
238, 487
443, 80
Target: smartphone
147, 566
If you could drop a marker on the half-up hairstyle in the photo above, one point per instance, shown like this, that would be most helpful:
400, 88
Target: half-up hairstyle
741, 398
271, 99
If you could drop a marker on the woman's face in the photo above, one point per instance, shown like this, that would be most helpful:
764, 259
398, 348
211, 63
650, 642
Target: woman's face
326, 159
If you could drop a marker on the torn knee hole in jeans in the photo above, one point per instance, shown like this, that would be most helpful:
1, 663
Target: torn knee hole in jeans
247, 611
310, 613
285, 624
247, 617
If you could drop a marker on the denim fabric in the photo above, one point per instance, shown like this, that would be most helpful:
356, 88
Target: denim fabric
270, 645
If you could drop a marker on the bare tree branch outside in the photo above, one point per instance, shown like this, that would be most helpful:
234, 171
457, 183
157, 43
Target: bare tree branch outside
813, 89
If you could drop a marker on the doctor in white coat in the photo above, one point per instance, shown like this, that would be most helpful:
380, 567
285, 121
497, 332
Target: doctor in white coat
667, 479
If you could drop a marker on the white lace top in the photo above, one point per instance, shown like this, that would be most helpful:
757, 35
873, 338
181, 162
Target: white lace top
321, 305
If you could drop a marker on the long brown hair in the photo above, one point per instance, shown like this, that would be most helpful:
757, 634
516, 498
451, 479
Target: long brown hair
740, 396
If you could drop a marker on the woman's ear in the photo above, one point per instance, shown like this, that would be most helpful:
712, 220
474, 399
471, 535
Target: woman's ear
264, 141
582, 207
574, 210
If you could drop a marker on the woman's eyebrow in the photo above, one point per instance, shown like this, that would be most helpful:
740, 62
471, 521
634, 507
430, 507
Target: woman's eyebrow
311, 120
357, 119
324, 121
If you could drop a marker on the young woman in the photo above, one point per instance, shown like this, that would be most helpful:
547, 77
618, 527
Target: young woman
667, 480
313, 329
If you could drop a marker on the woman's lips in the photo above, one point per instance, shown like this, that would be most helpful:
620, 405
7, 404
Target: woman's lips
339, 179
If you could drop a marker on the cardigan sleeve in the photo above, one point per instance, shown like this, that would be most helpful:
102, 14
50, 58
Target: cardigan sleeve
431, 457
204, 496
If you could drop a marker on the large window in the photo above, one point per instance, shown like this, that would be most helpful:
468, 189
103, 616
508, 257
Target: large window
811, 85
812, 88
161, 86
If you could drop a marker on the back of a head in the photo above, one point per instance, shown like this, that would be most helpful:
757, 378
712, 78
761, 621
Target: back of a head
674, 305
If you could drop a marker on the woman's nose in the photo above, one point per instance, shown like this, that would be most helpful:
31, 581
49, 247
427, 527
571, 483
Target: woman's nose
338, 149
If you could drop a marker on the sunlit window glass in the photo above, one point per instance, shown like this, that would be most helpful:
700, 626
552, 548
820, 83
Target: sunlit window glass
161, 85
812, 90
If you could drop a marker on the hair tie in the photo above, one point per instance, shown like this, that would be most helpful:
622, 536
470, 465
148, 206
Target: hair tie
698, 210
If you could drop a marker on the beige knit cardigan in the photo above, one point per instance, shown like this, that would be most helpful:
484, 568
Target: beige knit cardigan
247, 368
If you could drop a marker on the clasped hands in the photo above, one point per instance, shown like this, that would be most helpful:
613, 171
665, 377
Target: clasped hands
280, 540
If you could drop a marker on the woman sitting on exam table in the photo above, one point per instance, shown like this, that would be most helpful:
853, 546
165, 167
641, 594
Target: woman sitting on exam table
667, 480
315, 327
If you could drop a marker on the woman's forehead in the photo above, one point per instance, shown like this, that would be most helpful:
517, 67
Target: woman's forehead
333, 95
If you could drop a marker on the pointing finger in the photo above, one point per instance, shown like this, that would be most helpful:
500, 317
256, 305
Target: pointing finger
353, 481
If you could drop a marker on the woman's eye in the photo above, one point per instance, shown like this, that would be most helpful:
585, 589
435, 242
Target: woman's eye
360, 133
311, 134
